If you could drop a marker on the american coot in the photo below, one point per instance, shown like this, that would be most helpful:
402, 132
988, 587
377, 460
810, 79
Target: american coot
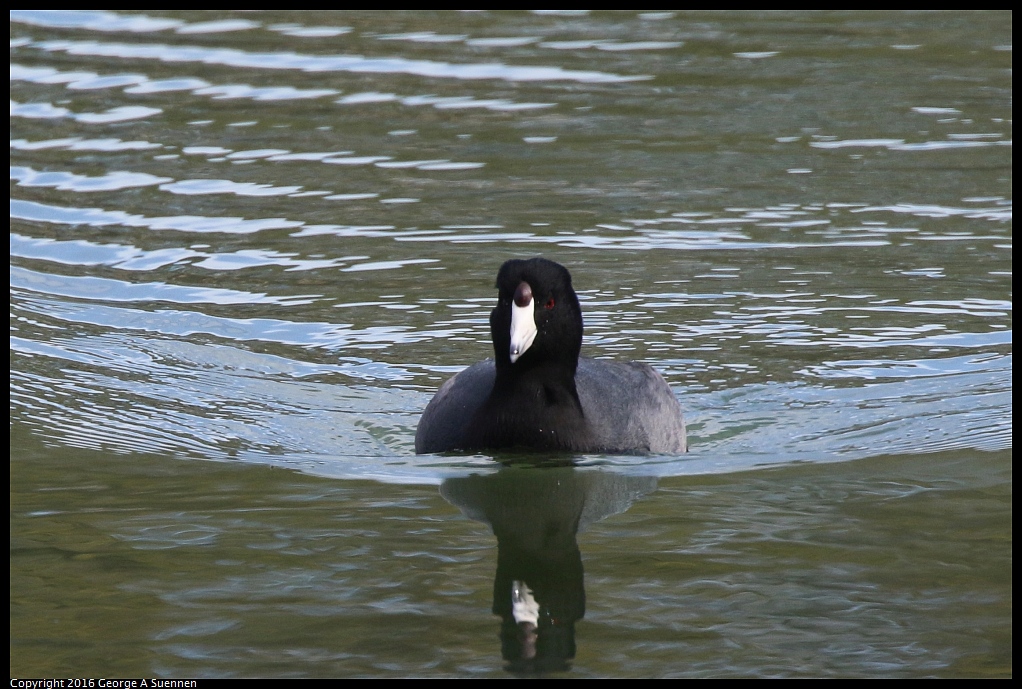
537, 394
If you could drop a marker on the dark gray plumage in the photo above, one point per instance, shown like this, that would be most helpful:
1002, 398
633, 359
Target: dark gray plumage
537, 394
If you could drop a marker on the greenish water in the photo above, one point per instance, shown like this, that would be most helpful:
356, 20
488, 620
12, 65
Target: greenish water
247, 248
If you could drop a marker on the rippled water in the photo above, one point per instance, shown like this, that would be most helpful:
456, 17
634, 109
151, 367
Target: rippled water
267, 238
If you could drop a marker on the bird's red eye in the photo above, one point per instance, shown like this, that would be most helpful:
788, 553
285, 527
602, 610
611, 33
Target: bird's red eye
549, 304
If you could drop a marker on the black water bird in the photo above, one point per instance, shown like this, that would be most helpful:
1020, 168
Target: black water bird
537, 394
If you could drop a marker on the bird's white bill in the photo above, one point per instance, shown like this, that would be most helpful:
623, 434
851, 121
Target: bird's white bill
523, 328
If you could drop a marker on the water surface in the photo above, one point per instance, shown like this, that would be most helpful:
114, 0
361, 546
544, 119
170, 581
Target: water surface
247, 248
